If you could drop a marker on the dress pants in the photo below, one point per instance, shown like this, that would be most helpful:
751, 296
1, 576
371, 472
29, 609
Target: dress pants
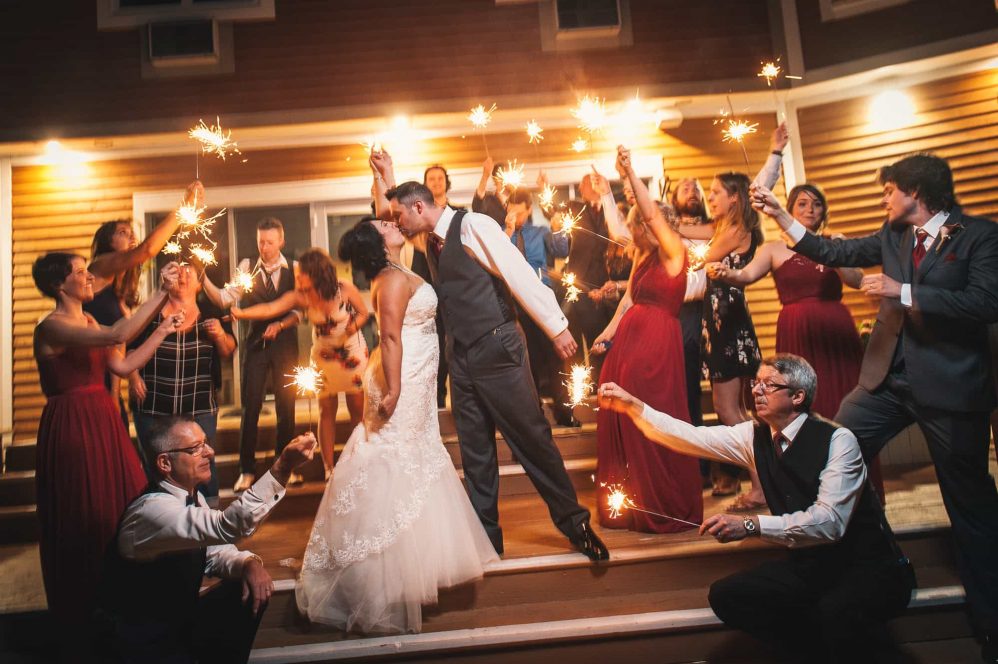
812, 613
491, 387
272, 360
958, 444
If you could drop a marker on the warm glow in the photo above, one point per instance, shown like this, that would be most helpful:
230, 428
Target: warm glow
67, 164
890, 110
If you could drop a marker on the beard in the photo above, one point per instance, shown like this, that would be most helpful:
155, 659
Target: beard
692, 208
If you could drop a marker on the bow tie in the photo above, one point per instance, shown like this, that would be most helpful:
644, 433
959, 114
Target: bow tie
191, 500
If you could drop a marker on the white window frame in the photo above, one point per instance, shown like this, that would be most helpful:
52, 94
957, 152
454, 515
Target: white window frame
111, 16
836, 10
583, 39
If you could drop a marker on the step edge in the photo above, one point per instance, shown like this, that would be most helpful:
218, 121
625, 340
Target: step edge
537, 633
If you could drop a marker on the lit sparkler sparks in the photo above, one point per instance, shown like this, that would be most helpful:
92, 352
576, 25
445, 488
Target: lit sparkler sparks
618, 501
590, 113
696, 255
214, 139
191, 220
737, 130
534, 132
242, 280
546, 197
372, 145
205, 255
572, 291
569, 222
480, 117
580, 145
172, 248
307, 381
770, 71
511, 177
579, 384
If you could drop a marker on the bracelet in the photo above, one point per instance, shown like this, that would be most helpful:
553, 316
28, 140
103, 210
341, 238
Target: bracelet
778, 153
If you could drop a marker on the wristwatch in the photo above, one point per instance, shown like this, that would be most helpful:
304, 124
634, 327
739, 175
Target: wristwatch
749, 526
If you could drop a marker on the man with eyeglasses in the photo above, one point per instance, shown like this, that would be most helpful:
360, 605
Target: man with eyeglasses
169, 539
845, 575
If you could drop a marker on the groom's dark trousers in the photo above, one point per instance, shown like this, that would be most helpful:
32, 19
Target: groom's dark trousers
491, 387
930, 364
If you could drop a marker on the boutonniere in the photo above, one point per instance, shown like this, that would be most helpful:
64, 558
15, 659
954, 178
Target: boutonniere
945, 233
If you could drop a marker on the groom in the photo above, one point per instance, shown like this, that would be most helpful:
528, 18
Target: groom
476, 269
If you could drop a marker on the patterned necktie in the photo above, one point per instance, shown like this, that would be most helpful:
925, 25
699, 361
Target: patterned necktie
918, 253
268, 281
435, 245
778, 442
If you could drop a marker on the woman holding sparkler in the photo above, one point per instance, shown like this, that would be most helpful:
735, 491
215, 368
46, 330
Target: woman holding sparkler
647, 354
186, 369
813, 322
116, 262
87, 469
395, 523
337, 312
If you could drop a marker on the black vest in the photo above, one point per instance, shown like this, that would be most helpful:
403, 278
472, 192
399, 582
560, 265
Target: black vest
473, 301
153, 601
790, 483
259, 295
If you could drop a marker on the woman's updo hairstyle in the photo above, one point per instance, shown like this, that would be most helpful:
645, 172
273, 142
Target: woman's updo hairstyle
364, 247
50, 270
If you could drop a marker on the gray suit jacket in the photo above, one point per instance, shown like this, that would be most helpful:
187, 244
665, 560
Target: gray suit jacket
954, 298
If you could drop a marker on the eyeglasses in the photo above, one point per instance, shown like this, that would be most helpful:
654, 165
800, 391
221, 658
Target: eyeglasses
768, 386
201, 449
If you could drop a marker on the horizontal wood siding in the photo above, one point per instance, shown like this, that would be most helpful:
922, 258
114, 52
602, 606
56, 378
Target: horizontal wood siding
359, 58
957, 119
53, 211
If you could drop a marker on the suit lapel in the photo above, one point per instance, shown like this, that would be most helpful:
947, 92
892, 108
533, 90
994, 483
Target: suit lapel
904, 253
932, 256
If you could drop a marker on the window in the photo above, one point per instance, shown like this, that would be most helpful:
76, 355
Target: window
121, 14
834, 10
574, 25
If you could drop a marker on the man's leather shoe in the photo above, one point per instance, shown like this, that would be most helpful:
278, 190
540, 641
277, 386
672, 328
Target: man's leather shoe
589, 543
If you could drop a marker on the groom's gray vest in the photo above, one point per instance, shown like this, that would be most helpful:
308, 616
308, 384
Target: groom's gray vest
473, 301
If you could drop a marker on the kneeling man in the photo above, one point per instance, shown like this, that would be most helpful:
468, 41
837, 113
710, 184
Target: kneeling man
845, 575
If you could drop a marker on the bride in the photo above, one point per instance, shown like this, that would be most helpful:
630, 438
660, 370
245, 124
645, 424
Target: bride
394, 524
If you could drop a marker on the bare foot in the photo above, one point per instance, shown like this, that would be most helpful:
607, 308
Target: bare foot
747, 502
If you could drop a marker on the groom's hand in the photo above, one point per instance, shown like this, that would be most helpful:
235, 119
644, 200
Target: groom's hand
565, 345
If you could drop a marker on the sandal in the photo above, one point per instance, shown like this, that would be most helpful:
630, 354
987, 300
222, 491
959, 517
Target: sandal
726, 486
745, 503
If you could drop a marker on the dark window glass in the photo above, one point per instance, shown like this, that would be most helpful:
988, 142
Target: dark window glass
576, 14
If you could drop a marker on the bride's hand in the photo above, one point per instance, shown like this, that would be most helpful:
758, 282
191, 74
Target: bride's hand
387, 406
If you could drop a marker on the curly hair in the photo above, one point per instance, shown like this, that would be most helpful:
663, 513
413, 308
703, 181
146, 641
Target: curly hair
364, 247
318, 266
125, 284
50, 271
924, 176
744, 215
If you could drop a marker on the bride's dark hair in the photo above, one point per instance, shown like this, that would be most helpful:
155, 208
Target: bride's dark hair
364, 247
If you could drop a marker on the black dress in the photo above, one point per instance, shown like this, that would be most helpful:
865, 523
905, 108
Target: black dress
730, 347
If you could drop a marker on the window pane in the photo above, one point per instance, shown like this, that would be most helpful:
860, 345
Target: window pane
575, 14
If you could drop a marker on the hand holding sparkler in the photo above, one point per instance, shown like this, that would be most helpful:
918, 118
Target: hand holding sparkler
766, 202
171, 323
725, 527
718, 271
779, 139
169, 275
294, 455
194, 193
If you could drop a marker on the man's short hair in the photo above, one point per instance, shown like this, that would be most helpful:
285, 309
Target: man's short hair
160, 437
270, 223
925, 176
799, 375
409, 192
520, 196
438, 167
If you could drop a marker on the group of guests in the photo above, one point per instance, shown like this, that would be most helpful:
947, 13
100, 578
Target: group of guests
653, 316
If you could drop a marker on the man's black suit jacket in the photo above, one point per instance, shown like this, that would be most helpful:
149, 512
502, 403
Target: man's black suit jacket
954, 298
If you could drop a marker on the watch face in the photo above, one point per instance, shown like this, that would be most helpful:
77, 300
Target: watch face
749, 525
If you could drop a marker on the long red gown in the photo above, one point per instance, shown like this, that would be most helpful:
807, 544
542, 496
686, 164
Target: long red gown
86, 474
817, 326
646, 359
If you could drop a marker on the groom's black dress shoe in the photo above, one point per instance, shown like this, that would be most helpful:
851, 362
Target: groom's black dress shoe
589, 543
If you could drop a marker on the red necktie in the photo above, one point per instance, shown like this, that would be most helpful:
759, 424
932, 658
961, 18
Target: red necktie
778, 441
436, 245
918, 253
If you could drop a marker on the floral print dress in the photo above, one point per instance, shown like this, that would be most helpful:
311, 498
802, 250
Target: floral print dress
341, 357
730, 347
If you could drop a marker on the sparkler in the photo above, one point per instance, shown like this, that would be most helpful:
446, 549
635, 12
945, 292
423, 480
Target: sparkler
572, 291
511, 177
771, 71
242, 280
214, 139
618, 501
205, 255
591, 114
737, 130
696, 255
534, 132
579, 384
480, 119
580, 145
172, 248
570, 223
307, 381
191, 220
546, 197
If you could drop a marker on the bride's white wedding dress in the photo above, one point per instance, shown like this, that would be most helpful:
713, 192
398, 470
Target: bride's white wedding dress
395, 523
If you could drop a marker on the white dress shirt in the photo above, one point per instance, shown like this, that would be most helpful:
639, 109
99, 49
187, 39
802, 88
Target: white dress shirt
797, 231
840, 483
232, 294
483, 238
162, 522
